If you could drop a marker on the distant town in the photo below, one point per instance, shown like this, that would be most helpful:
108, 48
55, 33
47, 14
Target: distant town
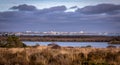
34, 33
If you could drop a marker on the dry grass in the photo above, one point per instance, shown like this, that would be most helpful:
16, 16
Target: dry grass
44, 55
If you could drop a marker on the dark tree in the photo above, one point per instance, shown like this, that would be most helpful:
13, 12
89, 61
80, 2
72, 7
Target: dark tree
13, 41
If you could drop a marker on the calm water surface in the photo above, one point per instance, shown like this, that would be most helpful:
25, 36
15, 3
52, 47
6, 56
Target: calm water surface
75, 44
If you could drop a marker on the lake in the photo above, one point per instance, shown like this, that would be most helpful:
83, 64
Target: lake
75, 44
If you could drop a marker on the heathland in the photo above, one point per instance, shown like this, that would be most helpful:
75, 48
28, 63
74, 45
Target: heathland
48, 55
14, 52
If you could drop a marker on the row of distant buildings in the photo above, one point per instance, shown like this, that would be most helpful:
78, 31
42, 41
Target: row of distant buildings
55, 33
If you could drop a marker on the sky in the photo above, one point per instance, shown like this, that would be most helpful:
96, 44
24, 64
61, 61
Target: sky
60, 15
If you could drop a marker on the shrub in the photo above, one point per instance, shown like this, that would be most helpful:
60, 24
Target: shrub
54, 46
111, 46
12, 41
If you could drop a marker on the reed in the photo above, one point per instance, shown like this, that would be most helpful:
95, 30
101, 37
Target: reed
46, 55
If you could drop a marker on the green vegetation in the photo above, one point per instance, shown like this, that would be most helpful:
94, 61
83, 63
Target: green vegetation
115, 41
12, 53
11, 42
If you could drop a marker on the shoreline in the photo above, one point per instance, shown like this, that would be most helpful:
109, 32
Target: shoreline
66, 38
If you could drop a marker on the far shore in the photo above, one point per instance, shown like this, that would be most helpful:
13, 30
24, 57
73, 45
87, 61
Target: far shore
82, 38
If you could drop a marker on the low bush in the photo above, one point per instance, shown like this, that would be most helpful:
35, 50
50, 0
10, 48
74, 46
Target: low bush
12, 42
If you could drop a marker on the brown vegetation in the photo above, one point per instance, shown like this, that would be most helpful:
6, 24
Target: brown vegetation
12, 53
115, 41
84, 38
45, 55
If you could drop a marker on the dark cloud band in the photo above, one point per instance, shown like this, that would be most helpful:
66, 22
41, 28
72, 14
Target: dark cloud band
29, 17
99, 9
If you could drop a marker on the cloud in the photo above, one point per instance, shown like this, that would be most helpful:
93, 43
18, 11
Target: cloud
99, 9
28, 17
24, 7
73, 7
56, 9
